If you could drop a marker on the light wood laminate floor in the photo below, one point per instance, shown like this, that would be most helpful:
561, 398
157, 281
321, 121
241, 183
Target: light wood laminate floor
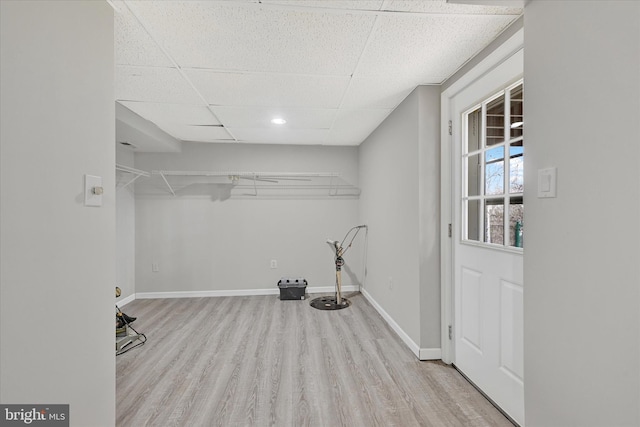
256, 360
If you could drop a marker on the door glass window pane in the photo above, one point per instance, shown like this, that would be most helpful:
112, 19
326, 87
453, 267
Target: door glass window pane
494, 171
474, 167
516, 167
516, 222
495, 121
473, 220
473, 130
516, 110
494, 221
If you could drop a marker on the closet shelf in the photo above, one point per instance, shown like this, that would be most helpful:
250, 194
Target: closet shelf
267, 184
130, 173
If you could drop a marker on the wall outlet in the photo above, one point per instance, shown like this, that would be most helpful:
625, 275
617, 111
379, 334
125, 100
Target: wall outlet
391, 283
93, 190
274, 263
155, 267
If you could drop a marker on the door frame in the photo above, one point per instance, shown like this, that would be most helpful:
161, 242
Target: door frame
448, 133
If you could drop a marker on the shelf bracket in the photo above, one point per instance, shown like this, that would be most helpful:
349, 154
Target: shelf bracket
167, 182
131, 181
331, 193
137, 173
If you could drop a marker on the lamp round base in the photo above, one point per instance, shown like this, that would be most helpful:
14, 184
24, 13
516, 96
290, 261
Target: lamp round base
329, 303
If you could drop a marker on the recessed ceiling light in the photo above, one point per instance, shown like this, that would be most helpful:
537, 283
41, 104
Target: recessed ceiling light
278, 121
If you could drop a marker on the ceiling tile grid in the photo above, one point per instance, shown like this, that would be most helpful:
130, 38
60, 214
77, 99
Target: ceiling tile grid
442, 7
151, 84
173, 113
281, 136
133, 45
220, 70
260, 117
425, 49
269, 89
236, 37
377, 92
331, 4
344, 133
202, 133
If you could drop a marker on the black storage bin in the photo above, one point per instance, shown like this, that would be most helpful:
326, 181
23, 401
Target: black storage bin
292, 288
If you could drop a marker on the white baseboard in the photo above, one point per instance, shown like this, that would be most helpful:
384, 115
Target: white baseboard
126, 300
237, 292
200, 294
415, 349
330, 289
421, 353
430, 354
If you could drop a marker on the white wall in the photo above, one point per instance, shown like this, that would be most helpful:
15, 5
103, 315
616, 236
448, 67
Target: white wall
399, 178
57, 264
582, 302
125, 226
203, 241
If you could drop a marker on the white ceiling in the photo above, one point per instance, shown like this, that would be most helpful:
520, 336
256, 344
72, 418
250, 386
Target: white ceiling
219, 71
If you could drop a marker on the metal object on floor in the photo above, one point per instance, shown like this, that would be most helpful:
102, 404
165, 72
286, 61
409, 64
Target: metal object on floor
337, 302
125, 336
329, 303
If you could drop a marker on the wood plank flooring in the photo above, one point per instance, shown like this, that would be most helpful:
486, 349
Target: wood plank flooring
259, 361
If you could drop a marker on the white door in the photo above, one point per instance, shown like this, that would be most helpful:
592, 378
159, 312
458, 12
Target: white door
488, 225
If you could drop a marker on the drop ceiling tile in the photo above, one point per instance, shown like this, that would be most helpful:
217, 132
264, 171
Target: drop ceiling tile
239, 36
442, 7
333, 4
152, 84
260, 117
172, 113
281, 136
377, 92
133, 45
197, 133
428, 48
354, 126
266, 89
251, 60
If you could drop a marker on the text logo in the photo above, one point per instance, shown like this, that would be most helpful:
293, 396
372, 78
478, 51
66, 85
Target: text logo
34, 415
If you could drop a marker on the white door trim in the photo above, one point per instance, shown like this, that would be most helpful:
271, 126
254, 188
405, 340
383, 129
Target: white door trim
510, 47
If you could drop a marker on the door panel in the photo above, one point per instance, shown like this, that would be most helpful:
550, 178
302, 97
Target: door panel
488, 288
489, 340
471, 308
511, 332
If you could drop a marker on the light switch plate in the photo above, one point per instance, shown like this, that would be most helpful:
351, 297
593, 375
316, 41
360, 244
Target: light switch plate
91, 182
547, 183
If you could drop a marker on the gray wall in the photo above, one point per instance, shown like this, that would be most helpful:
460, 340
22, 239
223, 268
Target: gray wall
57, 263
429, 215
125, 226
204, 241
581, 269
399, 177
